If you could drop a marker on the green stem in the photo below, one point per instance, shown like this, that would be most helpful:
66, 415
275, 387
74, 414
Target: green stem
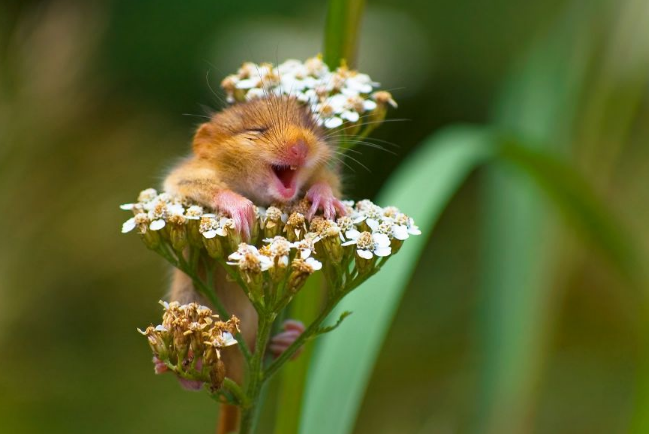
303, 338
341, 31
235, 390
256, 379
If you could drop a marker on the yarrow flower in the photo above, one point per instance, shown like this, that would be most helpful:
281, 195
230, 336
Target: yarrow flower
189, 343
287, 247
248, 259
336, 97
370, 244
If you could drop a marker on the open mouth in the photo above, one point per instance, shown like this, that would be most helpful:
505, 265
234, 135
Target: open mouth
286, 176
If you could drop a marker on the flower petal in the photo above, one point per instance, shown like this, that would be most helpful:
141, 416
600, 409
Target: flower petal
373, 224
352, 234
333, 122
365, 254
128, 225
210, 234
383, 251
156, 225
381, 240
400, 232
228, 339
314, 263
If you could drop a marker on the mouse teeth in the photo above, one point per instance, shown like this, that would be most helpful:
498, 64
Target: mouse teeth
293, 167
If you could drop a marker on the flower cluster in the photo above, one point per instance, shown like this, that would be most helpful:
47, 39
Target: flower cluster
337, 98
189, 343
285, 247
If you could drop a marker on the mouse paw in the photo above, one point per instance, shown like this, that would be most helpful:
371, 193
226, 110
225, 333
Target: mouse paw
238, 208
322, 198
161, 368
280, 342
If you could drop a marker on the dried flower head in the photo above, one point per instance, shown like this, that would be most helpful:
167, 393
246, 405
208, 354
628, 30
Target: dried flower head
188, 342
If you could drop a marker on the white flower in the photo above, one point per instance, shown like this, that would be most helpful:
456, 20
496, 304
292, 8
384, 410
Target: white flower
390, 228
306, 246
334, 97
272, 214
347, 228
194, 212
279, 249
211, 227
255, 93
140, 220
360, 82
247, 257
408, 223
147, 195
368, 245
248, 83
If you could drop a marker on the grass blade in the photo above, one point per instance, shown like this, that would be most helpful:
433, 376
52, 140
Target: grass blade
345, 359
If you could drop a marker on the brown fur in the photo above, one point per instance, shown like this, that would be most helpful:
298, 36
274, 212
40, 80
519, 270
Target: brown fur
235, 152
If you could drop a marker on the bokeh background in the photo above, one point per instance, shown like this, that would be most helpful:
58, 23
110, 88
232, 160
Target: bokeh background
537, 334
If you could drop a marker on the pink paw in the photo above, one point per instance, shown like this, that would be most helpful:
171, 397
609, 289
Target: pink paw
161, 368
280, 343
240, 209
322, 197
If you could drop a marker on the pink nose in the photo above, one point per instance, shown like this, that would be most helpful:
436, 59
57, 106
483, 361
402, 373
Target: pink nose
298, 151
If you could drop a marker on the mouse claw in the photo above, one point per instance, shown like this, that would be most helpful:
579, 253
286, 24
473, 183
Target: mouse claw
280, 342
239, 209
160, 368
322, 198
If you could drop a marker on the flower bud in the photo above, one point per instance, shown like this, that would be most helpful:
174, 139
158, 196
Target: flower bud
151, 239
233, 236
193, 224
295, 227
177, 232
217, 375
301, 269
155, 340
272, 222
211, 235
214, 246
382, 99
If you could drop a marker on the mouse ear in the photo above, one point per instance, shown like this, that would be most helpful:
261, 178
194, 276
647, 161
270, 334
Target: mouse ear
204, 139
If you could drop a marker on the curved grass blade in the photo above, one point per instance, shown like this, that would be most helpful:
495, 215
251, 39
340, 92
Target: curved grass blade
345, 359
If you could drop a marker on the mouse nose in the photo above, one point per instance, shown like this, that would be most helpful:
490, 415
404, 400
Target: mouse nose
298, 150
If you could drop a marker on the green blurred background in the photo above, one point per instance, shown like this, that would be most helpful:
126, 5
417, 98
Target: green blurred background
99, 98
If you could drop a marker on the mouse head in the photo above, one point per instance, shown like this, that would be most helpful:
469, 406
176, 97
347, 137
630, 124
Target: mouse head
265, 149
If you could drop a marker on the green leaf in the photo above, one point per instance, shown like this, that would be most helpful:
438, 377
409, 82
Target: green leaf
345, 359
327, 329
577, 201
